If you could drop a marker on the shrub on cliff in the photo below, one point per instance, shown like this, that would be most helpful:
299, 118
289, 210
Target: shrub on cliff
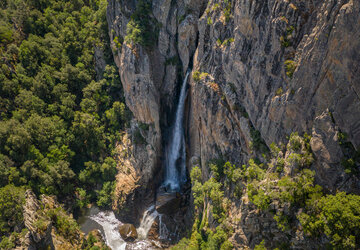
65, 225
290, 67
196, 76
258, 196
9, 243
142, 28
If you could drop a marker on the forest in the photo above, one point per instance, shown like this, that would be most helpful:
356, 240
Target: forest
61, 108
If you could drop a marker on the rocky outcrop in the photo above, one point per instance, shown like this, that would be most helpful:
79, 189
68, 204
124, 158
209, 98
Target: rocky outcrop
39, 235
261, 70
100, 63
39, 216
135, 181
187, 37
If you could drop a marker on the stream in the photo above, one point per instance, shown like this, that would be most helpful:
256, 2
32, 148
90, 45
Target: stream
108, 225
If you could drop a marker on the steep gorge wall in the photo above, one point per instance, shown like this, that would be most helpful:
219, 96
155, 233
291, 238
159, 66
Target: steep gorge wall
250, 70
150, 80
243, 85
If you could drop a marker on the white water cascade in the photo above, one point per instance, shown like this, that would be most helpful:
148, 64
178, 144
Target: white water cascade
110, 229
146, 222
176, 151
163, 231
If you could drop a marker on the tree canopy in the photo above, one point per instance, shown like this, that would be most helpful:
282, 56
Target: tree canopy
59, 116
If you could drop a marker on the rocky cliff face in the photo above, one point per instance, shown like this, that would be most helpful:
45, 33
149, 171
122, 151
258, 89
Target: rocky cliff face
150, 80
261, 70
250, 73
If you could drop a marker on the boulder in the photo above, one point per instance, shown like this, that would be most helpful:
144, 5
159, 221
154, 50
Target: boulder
128, 232
168, 203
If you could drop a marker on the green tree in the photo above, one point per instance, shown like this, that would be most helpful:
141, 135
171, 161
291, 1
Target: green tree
105, 195
338, 216
32, 53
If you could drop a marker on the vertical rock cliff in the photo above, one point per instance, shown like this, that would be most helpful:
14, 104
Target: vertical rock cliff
261, 70
151, 78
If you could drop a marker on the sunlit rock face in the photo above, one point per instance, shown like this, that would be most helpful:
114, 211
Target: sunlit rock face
250, 71
270, 67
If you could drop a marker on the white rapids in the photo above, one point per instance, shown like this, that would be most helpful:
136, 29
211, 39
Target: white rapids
110, 226
110, 229
148, 219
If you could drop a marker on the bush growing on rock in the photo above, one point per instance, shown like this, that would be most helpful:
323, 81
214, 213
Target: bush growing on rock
260, 246
8, 243
65, 225
258, 196
290, 67
142, 28
196, 76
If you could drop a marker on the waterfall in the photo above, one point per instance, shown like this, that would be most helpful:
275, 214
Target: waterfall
146, 222
176, 151
163, 231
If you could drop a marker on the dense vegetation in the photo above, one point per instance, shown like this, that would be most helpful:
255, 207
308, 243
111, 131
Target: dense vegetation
61, 109
283, 180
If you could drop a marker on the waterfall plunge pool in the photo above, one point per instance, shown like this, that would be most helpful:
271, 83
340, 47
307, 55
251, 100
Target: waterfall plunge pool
108, 225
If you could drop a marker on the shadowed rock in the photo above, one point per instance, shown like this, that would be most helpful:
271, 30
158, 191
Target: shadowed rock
168, 203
